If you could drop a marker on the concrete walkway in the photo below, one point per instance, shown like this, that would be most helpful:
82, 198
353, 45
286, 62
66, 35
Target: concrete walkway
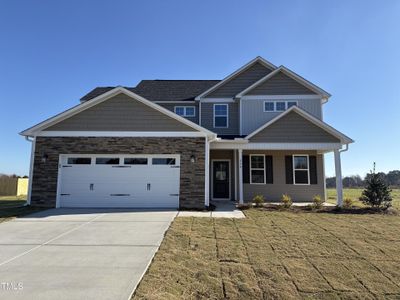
223, 209
79, 253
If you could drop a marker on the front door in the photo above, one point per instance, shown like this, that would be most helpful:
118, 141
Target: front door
221, 179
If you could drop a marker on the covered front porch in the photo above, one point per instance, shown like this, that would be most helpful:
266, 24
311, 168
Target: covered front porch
239, 170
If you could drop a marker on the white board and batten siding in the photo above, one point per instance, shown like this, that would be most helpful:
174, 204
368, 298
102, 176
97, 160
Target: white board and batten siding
148, 181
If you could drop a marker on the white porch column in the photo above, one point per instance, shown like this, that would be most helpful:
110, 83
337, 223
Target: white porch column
240, 163
339, 185
207, 174
235, 165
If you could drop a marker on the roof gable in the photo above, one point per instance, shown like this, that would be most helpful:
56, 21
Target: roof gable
239, 80
104, 97
296, 125
283, 81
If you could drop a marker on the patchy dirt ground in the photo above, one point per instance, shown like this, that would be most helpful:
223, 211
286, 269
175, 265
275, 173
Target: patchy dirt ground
277, 255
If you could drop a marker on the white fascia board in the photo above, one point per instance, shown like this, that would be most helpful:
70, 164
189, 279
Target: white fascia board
292, 75
325, 147
237, 72
281, 97
121, 134
217, 100
182, 102
99, 99
343, 138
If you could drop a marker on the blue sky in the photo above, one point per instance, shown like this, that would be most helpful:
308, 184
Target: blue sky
53, 52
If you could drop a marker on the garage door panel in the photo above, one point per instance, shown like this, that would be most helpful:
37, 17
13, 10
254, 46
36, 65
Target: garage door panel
141, 186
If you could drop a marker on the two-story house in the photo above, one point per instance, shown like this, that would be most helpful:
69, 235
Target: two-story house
183, 143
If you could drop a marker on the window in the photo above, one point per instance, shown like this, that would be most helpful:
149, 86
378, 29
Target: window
135, 161
269, 106
107, 161
301, 172
79, 160
257, 169
274, 106
163, 161
185, 111
280, 106
220, 115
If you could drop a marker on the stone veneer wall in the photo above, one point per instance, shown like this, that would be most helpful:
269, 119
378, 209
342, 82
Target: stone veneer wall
192, 176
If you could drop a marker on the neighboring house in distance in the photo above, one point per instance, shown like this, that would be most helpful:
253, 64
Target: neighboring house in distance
182, 143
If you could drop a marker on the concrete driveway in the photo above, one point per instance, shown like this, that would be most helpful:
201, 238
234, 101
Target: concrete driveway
78, 253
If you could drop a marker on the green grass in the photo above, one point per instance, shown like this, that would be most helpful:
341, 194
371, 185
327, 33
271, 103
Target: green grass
14, 206
356, 193
277, 255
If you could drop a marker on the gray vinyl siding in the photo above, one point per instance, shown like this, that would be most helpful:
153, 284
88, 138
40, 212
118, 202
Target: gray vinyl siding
254, 115
228, 155
280, 84
207, 118
120, 113
240, 82
273, 192
171, 107
293, 128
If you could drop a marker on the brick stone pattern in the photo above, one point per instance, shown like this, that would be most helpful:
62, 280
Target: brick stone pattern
192, 175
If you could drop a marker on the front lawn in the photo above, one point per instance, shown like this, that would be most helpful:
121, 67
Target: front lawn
14, 206
277, 255
356, 193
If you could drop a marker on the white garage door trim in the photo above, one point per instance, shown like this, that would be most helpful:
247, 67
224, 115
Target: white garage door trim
63, 163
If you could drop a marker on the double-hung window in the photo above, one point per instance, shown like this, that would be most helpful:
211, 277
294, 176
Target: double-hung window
220, 115
301, 170
257, 169
185, 111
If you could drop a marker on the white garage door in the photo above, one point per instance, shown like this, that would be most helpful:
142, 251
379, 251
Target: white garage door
138, 181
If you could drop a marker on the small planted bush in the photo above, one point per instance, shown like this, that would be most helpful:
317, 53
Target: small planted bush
286, 201
318, 202
258, 200
377, 193
347, 203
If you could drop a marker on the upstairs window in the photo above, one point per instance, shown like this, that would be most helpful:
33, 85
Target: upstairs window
276, 106
220, 115
185, 111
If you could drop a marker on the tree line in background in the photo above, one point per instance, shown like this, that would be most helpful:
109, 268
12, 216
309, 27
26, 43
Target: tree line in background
392, 178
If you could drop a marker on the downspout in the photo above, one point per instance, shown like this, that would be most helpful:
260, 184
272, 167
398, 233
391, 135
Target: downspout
345, 149
33, 141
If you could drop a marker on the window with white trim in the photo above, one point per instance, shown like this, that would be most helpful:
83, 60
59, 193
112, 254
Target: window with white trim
185, 111
301, 169
220, 115
277, 106
257, 169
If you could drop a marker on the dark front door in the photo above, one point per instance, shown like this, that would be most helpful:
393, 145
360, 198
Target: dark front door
221, 179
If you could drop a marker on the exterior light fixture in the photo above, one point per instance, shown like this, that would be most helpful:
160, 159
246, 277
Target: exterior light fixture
192, 159
44, 157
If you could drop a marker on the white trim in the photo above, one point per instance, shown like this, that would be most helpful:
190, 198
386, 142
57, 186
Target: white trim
212, 178
207, 174
173, 102
217, 100
339, 180
292, 75
123, 133
275, 102
227, 115
240, 117
237, 72
294, 169
251, 169
280, 97
59, 176
240, 157
32, 131
31, 165
324, 176
200, 113
275, 146
343, 138
235, 167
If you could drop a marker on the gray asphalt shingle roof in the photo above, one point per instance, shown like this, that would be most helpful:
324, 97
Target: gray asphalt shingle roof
162, 90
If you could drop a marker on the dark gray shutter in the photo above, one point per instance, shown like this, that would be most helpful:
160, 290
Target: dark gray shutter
246, 169
289, 169
269, 177
313, 169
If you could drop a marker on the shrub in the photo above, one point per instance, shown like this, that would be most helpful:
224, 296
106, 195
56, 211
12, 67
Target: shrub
286, 201
347, 202
318, 202
258, 200
376, 192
